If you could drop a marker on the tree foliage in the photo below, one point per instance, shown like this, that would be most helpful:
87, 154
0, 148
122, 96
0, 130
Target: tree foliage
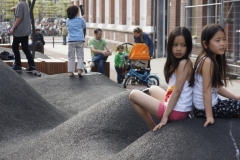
5, 8
42, 8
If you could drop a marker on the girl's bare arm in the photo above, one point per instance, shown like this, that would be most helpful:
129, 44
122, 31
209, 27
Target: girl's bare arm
207, 71
183, 71
225, 93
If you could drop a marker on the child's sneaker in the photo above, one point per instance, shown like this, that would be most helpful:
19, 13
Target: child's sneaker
92, 64
16, 68
31, 68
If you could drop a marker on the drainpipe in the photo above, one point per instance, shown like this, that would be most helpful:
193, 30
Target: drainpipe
222, 14
189, 14
236, 30
161, 29
210, 12
154, 27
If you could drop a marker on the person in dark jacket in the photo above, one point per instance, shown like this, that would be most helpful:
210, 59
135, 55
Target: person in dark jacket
39, 41
141, 37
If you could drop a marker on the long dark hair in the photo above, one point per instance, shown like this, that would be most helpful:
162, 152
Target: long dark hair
220, 70
172, 62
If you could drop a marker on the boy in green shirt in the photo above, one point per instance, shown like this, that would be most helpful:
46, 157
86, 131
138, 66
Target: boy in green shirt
119, 61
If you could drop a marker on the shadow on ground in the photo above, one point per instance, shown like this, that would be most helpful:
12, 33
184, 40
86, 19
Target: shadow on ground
58, 117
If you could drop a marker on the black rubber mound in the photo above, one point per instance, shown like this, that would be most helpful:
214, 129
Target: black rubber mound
111, 129
187, 139
72, 95
22, 110
98, 132
58, 117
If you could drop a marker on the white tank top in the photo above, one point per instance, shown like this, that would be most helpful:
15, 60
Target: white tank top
184, 103
198, 91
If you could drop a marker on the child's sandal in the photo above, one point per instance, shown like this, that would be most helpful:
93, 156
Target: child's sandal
80, 73
71, 74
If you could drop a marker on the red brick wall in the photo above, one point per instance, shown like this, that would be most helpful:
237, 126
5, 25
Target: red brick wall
174, 19
149, 12
112, 11
204, 13
122, 12
120, 36
178, 13
85, 8
102, 11
172, 15
199, 22
136, 12
94, 11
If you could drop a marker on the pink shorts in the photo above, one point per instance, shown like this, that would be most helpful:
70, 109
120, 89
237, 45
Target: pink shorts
174, 116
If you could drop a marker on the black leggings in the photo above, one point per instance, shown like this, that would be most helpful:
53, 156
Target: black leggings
15, 48
228, 108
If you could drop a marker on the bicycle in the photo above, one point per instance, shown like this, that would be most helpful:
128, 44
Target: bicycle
140, 76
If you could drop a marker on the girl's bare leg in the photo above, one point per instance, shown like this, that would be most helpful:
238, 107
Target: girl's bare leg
145, 105
158, 93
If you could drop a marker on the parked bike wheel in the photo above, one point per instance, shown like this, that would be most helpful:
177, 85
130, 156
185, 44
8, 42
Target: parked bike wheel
126, 81
152, 81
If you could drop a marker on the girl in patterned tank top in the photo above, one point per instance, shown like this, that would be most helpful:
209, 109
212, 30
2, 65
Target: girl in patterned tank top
210, 72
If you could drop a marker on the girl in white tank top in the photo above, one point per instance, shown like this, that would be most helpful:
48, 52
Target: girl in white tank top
175, 103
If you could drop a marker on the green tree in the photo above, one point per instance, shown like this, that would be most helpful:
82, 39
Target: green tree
62, 7
5, 8
42, 8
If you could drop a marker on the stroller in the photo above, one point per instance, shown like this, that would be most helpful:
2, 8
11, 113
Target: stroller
136, 66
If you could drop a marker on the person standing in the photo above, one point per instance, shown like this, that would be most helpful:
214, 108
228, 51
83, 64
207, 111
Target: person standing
75, 26
119, 62
142, 37
20, 31
64, 33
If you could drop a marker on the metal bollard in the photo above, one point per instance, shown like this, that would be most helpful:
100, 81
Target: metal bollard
53, 42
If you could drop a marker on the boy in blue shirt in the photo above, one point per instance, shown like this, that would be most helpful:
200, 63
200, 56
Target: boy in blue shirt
75, 26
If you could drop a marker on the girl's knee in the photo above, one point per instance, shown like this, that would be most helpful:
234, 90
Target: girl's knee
133, 94
153, 89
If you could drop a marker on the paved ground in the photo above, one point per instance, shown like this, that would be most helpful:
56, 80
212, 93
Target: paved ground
58, 50
157, 65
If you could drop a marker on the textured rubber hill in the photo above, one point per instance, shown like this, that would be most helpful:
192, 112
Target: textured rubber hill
92, 118
23, 111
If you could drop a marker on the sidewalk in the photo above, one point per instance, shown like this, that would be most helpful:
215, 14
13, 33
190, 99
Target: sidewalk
157, 65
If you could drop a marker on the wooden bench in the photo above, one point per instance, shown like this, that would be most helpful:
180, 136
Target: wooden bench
95, 69
55, 66
106, 69
20, 47
47, 66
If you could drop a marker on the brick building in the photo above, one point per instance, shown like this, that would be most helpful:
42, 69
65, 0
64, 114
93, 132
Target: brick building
118, 18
